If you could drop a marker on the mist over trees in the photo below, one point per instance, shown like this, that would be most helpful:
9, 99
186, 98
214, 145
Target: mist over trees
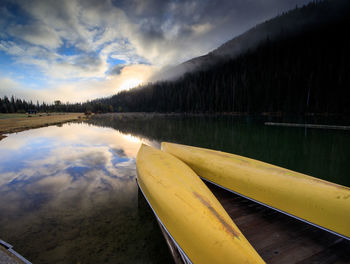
296, 71
313, 14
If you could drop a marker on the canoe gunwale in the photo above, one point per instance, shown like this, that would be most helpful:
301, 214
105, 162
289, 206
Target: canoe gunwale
278, 210
183, 255
10, 249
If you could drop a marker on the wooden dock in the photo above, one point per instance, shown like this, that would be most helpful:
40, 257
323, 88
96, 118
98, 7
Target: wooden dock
279, 238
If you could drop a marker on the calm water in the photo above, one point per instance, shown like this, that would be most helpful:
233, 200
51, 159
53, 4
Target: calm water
68, 193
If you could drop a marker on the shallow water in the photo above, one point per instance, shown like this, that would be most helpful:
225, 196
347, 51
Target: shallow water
68, 193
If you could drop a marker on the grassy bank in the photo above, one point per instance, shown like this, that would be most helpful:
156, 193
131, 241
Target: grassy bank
10, 123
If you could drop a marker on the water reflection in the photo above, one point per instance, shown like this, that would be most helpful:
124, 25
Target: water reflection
68, 195
320, 153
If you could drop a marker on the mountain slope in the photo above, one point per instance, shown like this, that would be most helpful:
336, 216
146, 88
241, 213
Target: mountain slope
295, 72
295, 21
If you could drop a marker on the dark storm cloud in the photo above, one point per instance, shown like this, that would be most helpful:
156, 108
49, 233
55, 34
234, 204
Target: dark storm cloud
159, 31
201, 20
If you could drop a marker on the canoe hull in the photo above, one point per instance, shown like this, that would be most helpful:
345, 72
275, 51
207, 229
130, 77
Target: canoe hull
312, 200
190, 212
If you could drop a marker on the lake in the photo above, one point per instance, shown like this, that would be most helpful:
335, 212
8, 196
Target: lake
69, 195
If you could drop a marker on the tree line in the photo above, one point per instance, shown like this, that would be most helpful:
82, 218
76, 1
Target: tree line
16, 105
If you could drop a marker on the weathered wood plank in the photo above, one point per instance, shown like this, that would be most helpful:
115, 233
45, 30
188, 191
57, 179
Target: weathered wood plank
279, 238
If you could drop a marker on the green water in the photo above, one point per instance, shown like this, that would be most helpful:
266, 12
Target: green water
69, 195
317, 152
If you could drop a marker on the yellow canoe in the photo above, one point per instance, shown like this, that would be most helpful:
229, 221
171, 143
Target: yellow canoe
189, 212
321, 203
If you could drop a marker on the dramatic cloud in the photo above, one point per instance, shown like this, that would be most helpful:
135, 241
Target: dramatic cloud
36, 34
47, 44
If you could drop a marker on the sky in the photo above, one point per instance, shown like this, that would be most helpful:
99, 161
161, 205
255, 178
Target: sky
78, 50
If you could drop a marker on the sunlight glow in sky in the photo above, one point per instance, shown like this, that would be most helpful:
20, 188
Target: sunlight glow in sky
130, 83
75, 50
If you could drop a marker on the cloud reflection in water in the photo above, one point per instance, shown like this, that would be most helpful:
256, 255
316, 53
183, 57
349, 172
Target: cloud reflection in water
69, 173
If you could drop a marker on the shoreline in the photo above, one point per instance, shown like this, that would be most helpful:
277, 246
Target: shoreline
14, 125
278, 114
134, 115
18, 124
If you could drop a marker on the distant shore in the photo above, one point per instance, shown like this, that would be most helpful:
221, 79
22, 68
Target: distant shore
133, 115
11, 123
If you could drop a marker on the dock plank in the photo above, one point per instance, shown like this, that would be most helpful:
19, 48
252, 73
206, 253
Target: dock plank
279, 238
